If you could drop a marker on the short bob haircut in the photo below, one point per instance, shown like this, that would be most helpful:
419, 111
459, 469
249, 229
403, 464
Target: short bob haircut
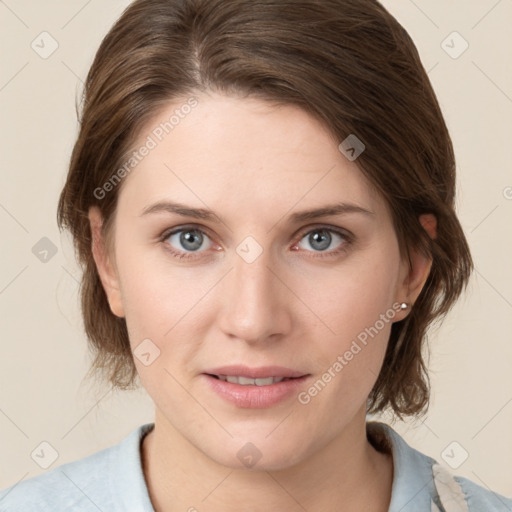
349, 64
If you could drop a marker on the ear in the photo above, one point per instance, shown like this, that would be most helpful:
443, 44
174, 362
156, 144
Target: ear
415, 274
104, 264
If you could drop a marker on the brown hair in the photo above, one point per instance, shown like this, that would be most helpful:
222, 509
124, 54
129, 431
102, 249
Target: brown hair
348, 63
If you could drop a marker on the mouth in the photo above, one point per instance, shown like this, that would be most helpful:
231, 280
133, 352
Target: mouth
255, 388
248, 381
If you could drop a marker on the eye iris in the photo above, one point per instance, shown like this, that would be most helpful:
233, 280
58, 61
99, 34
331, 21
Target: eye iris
187, 237
320, 237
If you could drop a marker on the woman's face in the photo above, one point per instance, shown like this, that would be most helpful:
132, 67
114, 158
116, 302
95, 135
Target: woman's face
252, 282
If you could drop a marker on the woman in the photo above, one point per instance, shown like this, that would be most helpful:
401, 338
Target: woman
262, 199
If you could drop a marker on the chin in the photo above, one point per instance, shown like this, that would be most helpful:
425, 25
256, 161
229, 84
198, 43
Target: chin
257, 453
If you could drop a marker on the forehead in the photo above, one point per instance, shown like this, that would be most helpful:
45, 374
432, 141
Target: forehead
242, 152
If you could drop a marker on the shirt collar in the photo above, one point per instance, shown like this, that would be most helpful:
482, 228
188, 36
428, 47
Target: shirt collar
413, 487
130, 487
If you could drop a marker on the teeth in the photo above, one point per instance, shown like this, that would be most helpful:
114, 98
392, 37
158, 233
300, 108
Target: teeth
247, 381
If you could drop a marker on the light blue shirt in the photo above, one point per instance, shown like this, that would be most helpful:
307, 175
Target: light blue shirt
112, 480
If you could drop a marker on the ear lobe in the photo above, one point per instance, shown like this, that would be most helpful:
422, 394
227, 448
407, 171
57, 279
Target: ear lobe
104, 265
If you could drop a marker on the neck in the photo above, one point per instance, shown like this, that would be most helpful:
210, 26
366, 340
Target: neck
346, 474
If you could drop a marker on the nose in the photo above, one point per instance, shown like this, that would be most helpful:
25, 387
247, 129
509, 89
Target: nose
255, 301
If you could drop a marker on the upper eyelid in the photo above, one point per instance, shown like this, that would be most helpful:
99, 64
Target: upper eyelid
303, 230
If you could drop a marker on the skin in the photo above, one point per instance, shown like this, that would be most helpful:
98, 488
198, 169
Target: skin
255, 164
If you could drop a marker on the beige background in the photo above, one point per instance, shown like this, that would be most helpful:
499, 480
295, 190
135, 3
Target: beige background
43, 354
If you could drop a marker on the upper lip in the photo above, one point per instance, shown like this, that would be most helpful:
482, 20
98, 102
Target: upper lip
260, 372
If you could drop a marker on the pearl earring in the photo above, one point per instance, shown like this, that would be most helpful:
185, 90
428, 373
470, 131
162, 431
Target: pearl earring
404, 305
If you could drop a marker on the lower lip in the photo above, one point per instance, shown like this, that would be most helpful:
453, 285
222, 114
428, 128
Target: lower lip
255, 397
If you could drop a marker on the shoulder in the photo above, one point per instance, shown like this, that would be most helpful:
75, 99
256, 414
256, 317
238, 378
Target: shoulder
75, 484
96, 482
479, 498
466, 495
420, 483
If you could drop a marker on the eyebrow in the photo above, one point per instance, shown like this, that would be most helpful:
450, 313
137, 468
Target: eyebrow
205, 214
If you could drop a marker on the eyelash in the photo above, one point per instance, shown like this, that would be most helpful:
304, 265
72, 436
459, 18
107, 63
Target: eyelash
347, 238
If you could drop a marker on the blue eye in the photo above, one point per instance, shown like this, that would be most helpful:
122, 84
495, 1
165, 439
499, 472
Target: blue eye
186, 239
320, 239
190, 242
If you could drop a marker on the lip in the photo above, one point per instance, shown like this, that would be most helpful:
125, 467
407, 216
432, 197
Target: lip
252, 396
255, 373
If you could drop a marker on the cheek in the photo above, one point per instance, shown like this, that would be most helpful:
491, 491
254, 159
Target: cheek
353, 296
156, 293
163, 304
357, 308
356, 311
